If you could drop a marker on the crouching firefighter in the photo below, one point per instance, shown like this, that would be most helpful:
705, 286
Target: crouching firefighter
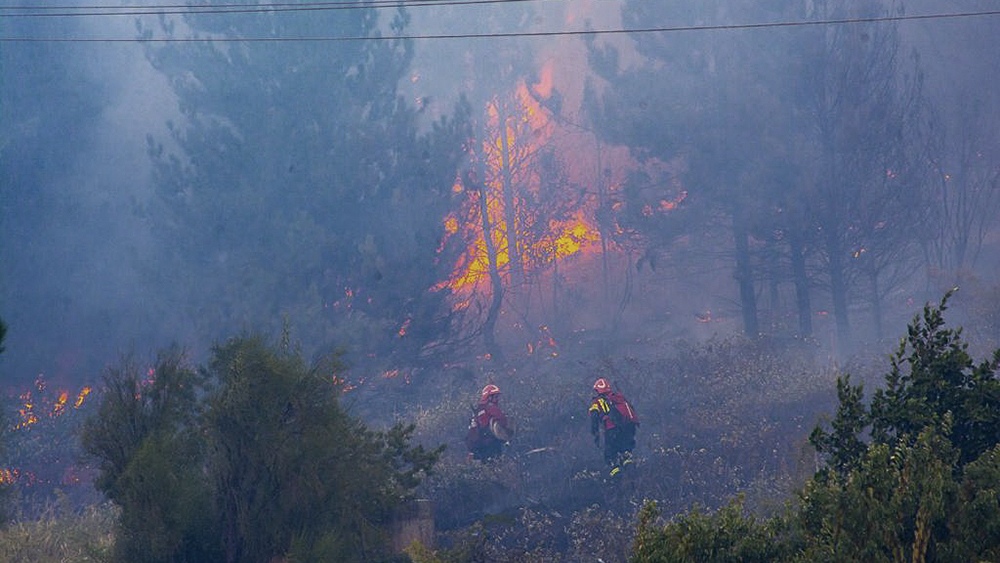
611, 413
488, 429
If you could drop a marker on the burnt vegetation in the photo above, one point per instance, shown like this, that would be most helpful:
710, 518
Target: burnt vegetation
746, 452
348, 239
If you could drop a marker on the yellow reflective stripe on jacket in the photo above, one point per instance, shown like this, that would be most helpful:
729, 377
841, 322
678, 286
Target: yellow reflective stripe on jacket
600, 405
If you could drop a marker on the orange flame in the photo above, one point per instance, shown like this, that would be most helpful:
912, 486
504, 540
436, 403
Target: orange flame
81, 397
520, 127
575, 235
28, 412
38, 406
547, 81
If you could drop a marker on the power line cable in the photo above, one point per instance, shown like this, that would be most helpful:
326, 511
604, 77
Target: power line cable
62, 11
357, 3
444, 36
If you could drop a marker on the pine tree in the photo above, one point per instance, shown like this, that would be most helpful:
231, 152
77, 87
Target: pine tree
247, 459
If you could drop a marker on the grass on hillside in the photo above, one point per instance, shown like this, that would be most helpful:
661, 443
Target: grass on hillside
60, 535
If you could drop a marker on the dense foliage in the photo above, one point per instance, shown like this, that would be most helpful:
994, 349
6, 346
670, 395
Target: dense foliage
776, 145
249, 458
320, 196
911, 477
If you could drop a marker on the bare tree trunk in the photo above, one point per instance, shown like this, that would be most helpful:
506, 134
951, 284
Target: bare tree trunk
602, 232
838, 291
496, 282
744, 278
509, 201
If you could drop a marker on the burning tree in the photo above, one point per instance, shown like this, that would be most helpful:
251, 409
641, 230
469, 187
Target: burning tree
680, 104
521, 213
793, 145
865, 105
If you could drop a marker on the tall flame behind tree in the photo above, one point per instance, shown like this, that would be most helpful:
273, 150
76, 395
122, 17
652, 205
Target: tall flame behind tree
521, 212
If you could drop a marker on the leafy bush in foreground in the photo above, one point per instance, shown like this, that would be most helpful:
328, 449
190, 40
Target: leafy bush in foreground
912, 477
728, 534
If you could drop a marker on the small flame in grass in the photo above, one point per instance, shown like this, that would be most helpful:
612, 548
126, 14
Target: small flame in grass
672, 204
395, 372
26, 412
60, 404
81, 397
545, 339
344, 385
31, 408
405, 328
38, 405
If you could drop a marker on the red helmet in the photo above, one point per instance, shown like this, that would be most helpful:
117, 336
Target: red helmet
602, 386
489, 391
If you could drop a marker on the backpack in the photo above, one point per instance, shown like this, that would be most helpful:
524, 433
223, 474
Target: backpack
482, 432
623, 411
476, 435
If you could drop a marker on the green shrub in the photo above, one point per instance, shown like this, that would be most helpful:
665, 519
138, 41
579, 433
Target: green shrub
910, 478
248, 459
728, 535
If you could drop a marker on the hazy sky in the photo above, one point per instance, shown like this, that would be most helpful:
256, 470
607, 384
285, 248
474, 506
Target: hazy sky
109, 177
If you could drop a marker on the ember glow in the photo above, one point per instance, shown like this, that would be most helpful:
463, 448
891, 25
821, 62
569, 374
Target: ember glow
37, 402
344, 384
46, 414
82, 396
545, 342
576, 236
404, 328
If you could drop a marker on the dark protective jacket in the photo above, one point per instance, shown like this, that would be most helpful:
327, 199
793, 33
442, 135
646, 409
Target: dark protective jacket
488, 430
609, 411
613, 414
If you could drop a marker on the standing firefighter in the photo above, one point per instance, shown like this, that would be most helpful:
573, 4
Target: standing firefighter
611, 412
488, 429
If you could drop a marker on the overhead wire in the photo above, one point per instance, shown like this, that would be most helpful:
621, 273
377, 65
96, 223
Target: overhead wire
494, 35
66, 11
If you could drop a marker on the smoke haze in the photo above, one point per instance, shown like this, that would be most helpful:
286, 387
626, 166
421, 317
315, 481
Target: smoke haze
81, 217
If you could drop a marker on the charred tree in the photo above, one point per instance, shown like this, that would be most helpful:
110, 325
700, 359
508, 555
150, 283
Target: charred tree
508, 191
496, 280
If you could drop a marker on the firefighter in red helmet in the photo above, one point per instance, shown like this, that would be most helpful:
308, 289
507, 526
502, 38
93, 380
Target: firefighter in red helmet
489, 429
612, 415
